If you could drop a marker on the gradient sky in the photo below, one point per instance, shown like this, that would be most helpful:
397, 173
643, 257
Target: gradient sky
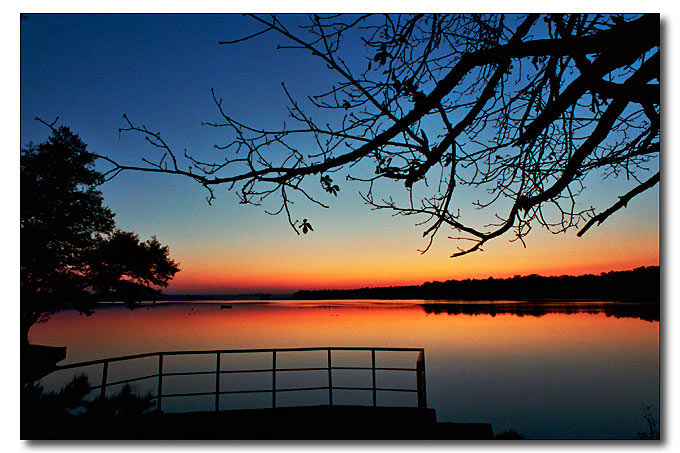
91, 69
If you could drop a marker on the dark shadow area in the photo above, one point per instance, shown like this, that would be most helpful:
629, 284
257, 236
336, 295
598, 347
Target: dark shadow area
38, 360
68, 414
316, 422
313, 423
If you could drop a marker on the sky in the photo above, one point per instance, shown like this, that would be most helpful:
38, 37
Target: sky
158, 70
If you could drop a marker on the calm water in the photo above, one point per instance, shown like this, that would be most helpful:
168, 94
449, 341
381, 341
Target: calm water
579, 373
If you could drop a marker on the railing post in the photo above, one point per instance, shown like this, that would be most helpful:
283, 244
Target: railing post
422, 366
274, 379
330, 379
373, 373
419, 380
102, 392
217, 384
160, 380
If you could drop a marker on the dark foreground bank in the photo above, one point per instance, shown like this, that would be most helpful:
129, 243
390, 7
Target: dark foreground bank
315, 423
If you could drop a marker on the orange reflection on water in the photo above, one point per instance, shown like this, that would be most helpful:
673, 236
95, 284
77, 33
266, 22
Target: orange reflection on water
117, 331
559, 375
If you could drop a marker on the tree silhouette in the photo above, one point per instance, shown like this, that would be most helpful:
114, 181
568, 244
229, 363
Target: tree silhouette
517, 110
71, 253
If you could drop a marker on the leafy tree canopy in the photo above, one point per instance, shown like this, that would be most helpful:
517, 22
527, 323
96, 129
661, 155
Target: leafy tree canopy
71, 252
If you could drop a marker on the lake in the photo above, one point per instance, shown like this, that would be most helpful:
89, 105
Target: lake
574, 370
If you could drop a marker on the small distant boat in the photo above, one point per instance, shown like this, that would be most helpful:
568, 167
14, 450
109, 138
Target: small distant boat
225, 306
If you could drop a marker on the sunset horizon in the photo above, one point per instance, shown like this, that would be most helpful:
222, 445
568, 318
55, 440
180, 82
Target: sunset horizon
229, 246
292, 287
341, 226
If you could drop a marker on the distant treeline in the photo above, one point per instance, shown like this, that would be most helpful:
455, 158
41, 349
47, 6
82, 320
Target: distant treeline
637, 285
187, 297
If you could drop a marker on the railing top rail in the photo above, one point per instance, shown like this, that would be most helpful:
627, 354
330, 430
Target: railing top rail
234, 351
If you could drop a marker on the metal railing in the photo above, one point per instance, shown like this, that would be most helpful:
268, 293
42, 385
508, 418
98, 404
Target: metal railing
419, 370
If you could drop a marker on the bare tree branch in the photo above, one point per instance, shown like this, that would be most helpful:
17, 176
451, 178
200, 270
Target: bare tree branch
521, 110
622, 203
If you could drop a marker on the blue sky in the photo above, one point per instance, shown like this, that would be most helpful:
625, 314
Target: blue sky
159, 69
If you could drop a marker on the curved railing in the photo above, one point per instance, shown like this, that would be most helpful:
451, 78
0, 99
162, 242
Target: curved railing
419, 369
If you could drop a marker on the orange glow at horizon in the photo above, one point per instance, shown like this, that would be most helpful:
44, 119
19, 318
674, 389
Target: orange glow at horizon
358, 250
346, 264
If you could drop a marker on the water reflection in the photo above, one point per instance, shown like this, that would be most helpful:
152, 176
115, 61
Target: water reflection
646, 312
574, 371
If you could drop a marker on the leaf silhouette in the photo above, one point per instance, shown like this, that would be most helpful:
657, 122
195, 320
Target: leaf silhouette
306, 226
328, 186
